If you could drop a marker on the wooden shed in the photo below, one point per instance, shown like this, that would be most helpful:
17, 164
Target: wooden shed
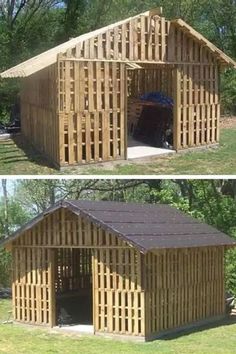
80, 100
125, 269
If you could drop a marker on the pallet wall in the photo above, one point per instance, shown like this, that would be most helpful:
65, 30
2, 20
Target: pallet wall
142, 38
197, 105
150, 78
78, 249
183, 286
39, 118
64, 229
73, 269
91, 111
119, 300
32, 287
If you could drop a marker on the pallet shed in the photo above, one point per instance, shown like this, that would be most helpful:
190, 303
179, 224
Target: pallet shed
126, 269
77, 99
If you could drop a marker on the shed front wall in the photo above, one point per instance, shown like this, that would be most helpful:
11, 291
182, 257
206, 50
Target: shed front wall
118, 295
183, 286
32, 287
197, 105
39, 113
148, 40
92, 111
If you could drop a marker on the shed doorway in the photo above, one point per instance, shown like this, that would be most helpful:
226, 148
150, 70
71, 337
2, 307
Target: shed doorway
150, 111
74, 288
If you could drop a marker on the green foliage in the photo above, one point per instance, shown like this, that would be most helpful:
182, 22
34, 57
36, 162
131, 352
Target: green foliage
5, 268
230, 264
17, 216
228, 86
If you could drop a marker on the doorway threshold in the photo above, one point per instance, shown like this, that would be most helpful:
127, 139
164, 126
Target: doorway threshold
137, 150
78, 328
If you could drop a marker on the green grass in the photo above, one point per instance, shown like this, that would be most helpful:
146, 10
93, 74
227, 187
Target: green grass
16, 158
16, 339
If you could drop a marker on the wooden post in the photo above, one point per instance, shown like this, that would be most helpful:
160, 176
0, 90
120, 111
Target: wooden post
52, 295
177, 102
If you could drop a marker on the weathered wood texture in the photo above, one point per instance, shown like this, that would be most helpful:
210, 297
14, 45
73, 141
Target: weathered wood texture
183, 286
39, 118
91, 111
133, 294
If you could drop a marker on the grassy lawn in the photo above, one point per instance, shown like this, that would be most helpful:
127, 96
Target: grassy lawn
15, 158
16, 339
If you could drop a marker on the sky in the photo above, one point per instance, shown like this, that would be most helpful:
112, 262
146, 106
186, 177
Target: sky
10, 187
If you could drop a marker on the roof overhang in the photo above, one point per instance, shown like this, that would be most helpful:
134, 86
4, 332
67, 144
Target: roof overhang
114, 229
7, 242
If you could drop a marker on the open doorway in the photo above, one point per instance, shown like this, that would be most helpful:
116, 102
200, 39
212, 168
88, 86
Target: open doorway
73, 288
150, 107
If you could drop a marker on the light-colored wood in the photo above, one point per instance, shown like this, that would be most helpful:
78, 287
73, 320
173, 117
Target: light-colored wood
186, 287
39, 118
75, 111
93, 132
132, 294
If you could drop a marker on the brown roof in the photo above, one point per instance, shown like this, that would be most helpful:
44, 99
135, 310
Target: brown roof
144, 226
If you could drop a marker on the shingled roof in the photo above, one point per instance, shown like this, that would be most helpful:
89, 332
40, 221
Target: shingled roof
144, 226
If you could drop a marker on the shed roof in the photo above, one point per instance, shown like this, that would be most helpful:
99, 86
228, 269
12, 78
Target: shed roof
49, 57
144, 226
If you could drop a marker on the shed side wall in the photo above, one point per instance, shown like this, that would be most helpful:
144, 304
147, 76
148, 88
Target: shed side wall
183, 286
39, 116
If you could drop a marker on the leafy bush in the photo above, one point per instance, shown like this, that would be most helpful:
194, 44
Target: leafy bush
228, 87
5, 268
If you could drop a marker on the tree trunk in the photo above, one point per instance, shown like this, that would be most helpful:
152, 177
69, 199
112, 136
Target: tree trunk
5, 200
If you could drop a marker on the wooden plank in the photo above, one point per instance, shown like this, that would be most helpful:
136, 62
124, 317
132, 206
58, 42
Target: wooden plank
142, 30
177, 102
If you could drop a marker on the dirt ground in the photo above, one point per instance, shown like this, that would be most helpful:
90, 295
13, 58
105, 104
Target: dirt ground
228, 122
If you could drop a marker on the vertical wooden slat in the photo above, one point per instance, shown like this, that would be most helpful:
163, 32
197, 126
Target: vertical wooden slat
176, 123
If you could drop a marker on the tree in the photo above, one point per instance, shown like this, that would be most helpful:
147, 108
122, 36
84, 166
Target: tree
5, 201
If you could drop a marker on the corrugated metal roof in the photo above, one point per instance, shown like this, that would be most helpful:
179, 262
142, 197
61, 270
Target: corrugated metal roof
145, 226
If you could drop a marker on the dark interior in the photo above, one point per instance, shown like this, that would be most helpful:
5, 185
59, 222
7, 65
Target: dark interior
155, 126
74, 300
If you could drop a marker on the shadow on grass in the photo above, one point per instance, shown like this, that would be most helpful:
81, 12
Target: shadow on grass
227, 321
31, 154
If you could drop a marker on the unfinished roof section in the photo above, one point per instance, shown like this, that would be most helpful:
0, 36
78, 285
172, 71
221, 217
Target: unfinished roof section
146, 227
190, 31
49, 57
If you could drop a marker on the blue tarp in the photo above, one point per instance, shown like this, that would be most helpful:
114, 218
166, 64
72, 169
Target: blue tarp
158, 97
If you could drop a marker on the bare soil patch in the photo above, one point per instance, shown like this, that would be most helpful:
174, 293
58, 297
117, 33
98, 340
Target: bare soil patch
227, 122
